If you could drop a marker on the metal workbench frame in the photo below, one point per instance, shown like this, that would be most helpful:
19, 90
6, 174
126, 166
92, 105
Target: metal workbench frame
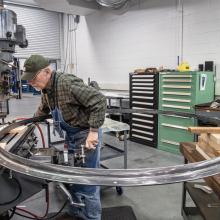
119, 152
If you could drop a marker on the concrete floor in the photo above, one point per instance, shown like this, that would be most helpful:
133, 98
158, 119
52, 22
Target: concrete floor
148, 203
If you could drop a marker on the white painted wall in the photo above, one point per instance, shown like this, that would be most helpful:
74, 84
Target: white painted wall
201, 31
110, 46
202, 34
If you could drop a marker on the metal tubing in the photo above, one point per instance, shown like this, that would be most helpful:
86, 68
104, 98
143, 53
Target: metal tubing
69, 196
109, 177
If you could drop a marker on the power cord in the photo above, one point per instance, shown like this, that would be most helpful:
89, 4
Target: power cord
18, 195
34, 216
39, 128
47, 208
38, 218
12, 213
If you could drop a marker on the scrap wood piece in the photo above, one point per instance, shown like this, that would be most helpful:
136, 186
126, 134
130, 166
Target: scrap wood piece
202, 152
207, 148
199, 130
146, 70
139, 71
212, 140
214, 145
215, 138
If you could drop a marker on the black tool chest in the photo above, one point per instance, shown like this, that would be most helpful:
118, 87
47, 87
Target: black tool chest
144, 95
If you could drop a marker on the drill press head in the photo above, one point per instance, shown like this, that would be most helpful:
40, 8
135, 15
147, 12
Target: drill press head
11, 35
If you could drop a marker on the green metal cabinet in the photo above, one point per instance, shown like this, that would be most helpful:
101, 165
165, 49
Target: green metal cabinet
172, 130
180, 92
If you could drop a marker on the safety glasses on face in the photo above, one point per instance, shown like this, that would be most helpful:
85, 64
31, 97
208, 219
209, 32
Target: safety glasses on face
35, 77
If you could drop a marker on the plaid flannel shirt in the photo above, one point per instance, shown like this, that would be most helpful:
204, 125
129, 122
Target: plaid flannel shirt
80, 105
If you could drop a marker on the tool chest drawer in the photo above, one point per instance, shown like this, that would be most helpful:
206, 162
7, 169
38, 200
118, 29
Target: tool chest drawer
172, 130
182, 91
144, 90
144, 95
144, 129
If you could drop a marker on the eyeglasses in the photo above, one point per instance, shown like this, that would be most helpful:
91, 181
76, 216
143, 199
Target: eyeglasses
32, 80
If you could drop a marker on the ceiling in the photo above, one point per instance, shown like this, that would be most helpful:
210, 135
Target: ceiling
77, 7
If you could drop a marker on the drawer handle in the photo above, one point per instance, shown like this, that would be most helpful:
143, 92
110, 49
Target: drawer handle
175, 116
143, 132
177, 93
138, 136
177, 87
176, 100
141, 97
142, 126
142, 76
174, 126
143, 120
142, 84
142, 92
145, 115
176, 106
176, 76
169, 142
142, 80
142, 103
177, 80
142, 87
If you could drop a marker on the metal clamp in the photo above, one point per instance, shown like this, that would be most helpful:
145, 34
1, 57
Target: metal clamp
80, 156
83, 156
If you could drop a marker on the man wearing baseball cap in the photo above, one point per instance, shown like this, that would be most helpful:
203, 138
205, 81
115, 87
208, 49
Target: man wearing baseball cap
33, 65
79, 111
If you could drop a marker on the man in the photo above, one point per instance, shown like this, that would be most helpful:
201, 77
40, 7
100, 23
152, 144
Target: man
79, 111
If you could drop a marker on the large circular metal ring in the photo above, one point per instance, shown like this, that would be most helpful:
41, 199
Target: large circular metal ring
107, 177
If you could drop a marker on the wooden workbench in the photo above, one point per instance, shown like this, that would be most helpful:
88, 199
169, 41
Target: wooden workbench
204, 202
188, 149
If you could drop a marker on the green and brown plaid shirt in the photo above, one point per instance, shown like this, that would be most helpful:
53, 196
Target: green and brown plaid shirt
80, 105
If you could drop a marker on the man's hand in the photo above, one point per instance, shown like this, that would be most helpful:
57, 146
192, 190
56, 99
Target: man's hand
92, 140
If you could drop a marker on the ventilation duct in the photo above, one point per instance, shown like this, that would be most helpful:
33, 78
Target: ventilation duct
113, 4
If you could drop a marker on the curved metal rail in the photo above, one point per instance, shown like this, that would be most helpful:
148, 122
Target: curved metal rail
109, 177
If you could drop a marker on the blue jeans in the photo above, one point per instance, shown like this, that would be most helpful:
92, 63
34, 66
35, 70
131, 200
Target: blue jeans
89, 195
